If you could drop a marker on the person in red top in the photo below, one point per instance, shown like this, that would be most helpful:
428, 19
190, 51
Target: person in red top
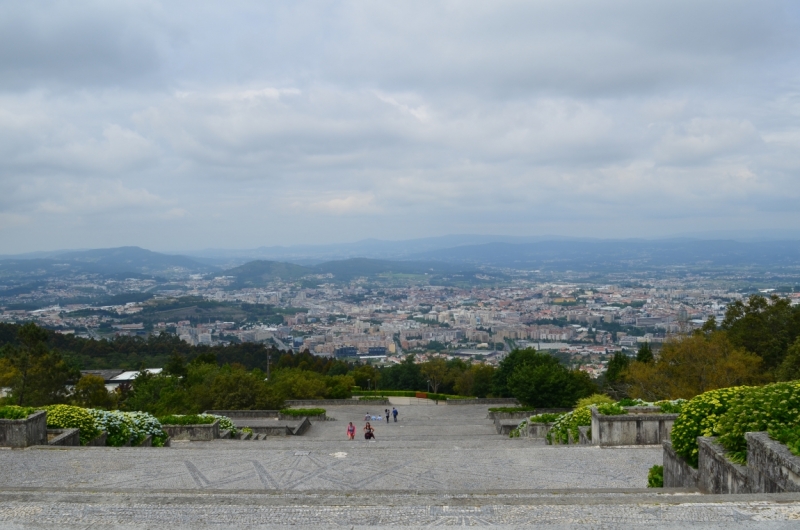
351, 431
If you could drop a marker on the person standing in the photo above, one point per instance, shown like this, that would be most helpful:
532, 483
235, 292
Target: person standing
369, 432
394, 413
387, 415
351, 431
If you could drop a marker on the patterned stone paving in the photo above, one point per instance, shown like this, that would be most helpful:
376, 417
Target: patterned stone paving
438, 466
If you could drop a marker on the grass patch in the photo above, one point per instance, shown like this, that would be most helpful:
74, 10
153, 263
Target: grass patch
13, 412
187, 419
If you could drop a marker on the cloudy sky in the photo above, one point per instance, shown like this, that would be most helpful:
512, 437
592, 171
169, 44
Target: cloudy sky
188, 125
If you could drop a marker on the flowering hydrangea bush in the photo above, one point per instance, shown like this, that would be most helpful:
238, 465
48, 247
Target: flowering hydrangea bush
225, 423
569, 423
789, 436
770, 408
700, 417
611, 409
516, 432
69, 417
113, 422
142, 424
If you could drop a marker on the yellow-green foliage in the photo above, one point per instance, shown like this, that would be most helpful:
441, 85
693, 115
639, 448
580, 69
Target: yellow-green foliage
69, 417
594, 399
700, 417
569, 423
771, 408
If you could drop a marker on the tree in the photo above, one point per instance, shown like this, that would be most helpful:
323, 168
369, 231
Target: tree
475, 381
36, 374
688, 366
403, 376
789, 370
435, 371
90, 391
366, 375
764, 326
514, 359
237, 389
614, 380
549, 384
645, 353
176, 365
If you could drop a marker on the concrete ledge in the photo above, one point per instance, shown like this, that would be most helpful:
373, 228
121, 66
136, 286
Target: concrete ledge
510, 415
585, 435
99, 441
147, 442
300, 428
317, 417
677, 472
25, 432
244, 414
204, 432
483, 401
631, 429
373, 401
717, 474
538, 430
773, 467
64, 437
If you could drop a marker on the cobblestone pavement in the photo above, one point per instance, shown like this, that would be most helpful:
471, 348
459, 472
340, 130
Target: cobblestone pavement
438, 466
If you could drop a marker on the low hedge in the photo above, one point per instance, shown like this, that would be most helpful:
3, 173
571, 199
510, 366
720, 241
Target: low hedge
655, 477
373, 398
789, 436
187, 419
611, 409
14, 412
393, 393
510, 410
302, 412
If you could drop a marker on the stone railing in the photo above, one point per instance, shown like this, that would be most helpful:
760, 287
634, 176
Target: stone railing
64, 437
25, 432
483, 401
199, 432
771, 468
245, 414
641, 426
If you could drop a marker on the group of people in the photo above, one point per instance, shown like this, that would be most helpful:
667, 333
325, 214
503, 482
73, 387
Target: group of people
369, 430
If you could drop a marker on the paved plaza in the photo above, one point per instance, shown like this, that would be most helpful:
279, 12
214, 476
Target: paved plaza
439, 465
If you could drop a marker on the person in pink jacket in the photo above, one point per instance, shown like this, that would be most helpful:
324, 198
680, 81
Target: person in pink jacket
351, 431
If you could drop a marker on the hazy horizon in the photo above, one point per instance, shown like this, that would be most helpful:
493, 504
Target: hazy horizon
178, 126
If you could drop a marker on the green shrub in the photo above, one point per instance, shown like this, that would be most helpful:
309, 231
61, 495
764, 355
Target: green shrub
772, 407
516, 432
393, 393
789, 436
655, 477
594, 399
547, 417
511, 409
699, 417
13, 412
628, 402
611, 409
187, 419
302, 412
671, 407
113, 422
568, 424
142, 425
69, 417
225, 423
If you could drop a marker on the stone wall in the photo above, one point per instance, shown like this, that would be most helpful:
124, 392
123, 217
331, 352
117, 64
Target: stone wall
193, 432
26, 432
537, 430
64, 437
775, 468
771, 468
717, 474
301, 427
484, 401
314, 403
100, 441
677, 472
510, 415
316, 417
631, 429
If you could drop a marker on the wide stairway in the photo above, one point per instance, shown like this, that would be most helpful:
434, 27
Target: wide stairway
438, 465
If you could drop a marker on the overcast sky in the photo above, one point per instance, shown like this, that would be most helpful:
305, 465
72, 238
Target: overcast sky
187, 125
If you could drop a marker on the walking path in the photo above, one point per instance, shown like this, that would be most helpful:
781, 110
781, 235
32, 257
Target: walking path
440, 465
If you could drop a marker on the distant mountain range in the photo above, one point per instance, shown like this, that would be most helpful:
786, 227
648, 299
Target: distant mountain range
464, 255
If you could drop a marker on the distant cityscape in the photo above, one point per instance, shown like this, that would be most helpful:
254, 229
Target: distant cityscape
377, 321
